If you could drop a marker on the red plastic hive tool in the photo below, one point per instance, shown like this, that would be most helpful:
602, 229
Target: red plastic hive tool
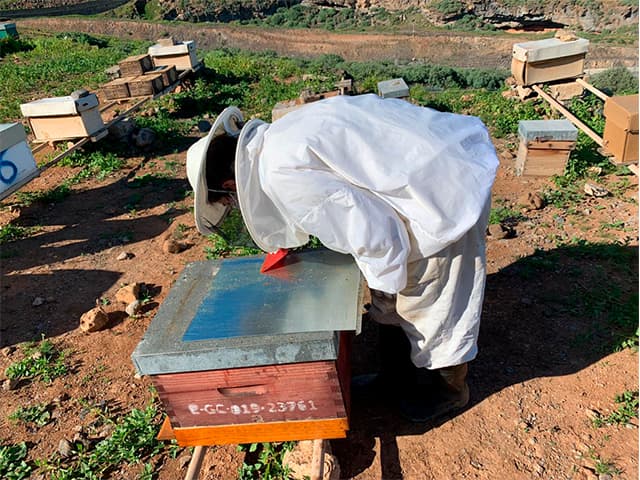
272, 260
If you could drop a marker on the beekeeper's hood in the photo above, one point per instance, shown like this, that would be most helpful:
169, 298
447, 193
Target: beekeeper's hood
267, 226
209, 214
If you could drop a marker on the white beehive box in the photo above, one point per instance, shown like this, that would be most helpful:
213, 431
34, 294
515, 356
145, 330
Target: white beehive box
182, 55
61, 118
17, 165
547, 60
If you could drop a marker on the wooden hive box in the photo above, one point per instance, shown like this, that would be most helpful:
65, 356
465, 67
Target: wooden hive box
135, 65
62, 118
547, 60
545, 146
169, 74
182, 55
144, 85
18, 165
621, 128
242, 357
116, 89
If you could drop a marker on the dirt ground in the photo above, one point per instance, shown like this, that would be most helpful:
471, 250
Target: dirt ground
541, 373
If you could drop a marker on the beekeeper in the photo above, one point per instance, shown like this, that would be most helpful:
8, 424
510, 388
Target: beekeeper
403, 189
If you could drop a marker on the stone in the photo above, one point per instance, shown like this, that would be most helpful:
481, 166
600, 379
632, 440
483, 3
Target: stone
299, 462
123, 256
565, 91
523, 92
184, 460
94, 320
122, 130
133, 308
145, 138
595, 190
37, 301
64, 448
172, 246
532, 201
8, 350
128, 294
10, 384
496, 232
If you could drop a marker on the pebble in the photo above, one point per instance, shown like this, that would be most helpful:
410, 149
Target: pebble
128, 293
184, 460
133, 308
204, 126
94, 320
64, 448
38, 301
10, 384
496, 231
171, 246
122, 256
137, 376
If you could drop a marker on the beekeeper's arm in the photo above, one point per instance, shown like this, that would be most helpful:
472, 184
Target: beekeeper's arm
347, 219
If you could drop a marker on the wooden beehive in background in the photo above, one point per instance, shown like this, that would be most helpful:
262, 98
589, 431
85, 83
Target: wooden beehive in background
547, 60
545, 146
135, 65
182, 55
621, 128
116, 89
168, 73
242, 357
144, 85
61, 118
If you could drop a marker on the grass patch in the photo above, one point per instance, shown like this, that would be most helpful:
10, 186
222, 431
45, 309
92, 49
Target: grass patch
37, 415
42, 361
96, 164
627, 409
12, 232
504, 215
52, 195
132, 441
232, 238
13, 465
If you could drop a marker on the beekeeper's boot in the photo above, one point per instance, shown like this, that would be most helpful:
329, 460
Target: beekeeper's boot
448, 394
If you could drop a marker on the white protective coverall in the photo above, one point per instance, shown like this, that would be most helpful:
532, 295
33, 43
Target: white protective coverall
404, 189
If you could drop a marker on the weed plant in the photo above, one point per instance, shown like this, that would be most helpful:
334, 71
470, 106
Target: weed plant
37, 415
11, 232
13, 465
264, 460
627, 410
95, 164
41, 361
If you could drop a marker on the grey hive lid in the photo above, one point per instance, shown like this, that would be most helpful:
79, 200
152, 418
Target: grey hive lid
547, 130
226, 314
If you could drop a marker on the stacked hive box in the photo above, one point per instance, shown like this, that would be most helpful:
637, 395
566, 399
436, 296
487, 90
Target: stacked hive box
182, 55
394, 88
545, 146
17, 165
139, 78
242, 357
61, 118
548, 60
621, 128
8, 30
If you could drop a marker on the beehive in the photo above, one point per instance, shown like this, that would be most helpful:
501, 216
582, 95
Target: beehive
17, 165
135, 65
144, 85
394, 88
181, 55
168, 73
116, 89
238, 356
60, 118
547, 60
545, 146
621, 128
8, 30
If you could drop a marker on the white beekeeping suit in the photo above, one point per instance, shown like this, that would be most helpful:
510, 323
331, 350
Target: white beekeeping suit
404, 189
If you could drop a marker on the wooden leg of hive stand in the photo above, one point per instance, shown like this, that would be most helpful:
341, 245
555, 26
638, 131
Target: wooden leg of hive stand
317, 459
196, 462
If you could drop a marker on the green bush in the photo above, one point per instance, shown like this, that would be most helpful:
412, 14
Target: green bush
616, 81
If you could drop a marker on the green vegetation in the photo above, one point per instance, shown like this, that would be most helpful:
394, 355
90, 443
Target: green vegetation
627, 410
616, 81
96, 164
57, 66
232, 238
133, 441
502, 214
42, 360
38, 415
12, 232
13, 465
266, 461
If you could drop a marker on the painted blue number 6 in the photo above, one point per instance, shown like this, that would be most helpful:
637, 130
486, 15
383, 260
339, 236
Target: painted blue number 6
4, 164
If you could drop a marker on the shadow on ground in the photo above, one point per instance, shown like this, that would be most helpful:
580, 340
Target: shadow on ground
87, 222
551, 314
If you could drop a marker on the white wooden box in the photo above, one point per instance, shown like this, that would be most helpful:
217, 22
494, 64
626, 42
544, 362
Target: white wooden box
182, 55
17, 165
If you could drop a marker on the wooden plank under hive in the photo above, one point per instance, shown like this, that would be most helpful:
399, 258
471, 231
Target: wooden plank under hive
238, 356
